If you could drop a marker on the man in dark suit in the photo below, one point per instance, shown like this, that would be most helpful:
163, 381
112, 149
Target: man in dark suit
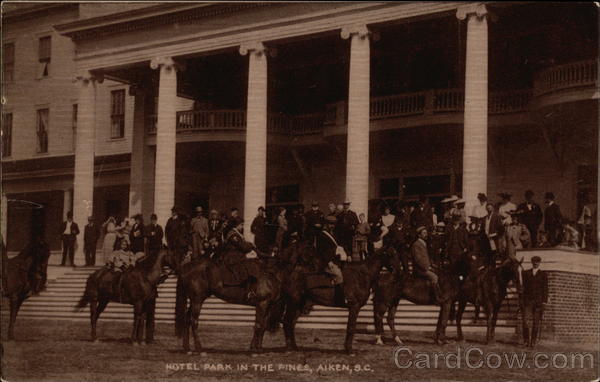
90, 240
457, 245
535, 298
327, 250
421, 262
154, 234
69, 230
347, 223
314, 221
258, 228
552, 220
530, 214
422, 215
493, 229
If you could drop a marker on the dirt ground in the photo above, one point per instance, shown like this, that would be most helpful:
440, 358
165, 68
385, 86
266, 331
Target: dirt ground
62, 351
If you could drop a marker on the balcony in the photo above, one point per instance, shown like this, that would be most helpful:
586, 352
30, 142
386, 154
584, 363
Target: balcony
430, 103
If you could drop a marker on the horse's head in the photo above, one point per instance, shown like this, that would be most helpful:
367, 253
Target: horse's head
509, 269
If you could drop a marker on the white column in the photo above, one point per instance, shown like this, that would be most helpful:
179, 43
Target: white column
164, 185
255, 178
357, 160
475, 146
4, 217
83, 182
67, 203
136, 172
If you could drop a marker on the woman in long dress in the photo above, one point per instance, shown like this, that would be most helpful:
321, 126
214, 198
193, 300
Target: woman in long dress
108, 245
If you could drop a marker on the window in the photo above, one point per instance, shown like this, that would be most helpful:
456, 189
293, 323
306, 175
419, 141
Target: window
44, 55
6, 134
8, 62
389, 188
74, 124
117, 114
42, 130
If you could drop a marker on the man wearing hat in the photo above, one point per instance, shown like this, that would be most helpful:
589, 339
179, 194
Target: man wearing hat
347, 223
199, 232
314, 221
69, 230
329, 251
552, 220
422, 215
154, 234
535, 298
447, 206
91, 233
457, 244
530, 214
517, 236
459, 210
214, 226
177, 234
421, 262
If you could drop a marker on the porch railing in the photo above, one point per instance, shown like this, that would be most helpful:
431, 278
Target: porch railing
575, 74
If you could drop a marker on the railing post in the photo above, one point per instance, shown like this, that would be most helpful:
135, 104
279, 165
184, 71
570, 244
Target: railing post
429, 102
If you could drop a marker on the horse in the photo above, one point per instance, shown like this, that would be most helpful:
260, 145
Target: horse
392, 287
135, 287
23, 276
492, 286
205, 277
300, 295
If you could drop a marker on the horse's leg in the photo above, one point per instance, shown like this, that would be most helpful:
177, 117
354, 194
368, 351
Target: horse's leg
391, 321
489, 318
186, 327
150, 311
15, 305
194, 316
442, 323
494, 319
292, 312
260, 324
350, 328
459, 314
379, 309
137, 313
477, 311
101, 305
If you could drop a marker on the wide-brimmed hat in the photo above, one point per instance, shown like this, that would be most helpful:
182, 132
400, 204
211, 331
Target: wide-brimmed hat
481, 196
536, 259
421, 228
460, 201
346, 203
450, 199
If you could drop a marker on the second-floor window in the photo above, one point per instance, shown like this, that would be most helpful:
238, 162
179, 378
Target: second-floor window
44, 55
74, 124
117, 114
8, 62
42, 130
7, 134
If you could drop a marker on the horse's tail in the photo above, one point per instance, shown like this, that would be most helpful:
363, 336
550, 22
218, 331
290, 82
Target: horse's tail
180, 307
85, 299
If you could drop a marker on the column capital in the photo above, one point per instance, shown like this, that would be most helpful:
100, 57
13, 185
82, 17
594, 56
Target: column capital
475, 9
360, 30
85, 76
168, 62
257, 48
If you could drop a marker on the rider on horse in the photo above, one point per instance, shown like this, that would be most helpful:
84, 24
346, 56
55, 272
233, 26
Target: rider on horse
328, 249
237, 250
421, 262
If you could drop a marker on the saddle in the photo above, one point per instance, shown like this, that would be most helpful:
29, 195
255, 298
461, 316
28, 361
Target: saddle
240, 273
322, 280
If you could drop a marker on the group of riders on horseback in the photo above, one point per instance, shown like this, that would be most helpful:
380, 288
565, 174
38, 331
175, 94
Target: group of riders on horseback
312, 269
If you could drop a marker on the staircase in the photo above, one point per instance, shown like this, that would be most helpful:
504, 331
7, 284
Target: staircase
63, 293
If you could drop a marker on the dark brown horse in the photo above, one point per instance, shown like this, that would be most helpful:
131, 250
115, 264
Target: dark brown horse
392, 287
303, 289
23, 276
492, 285
137, 287
198, 280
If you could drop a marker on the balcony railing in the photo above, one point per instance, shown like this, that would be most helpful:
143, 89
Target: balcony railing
582, 73
429, 102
